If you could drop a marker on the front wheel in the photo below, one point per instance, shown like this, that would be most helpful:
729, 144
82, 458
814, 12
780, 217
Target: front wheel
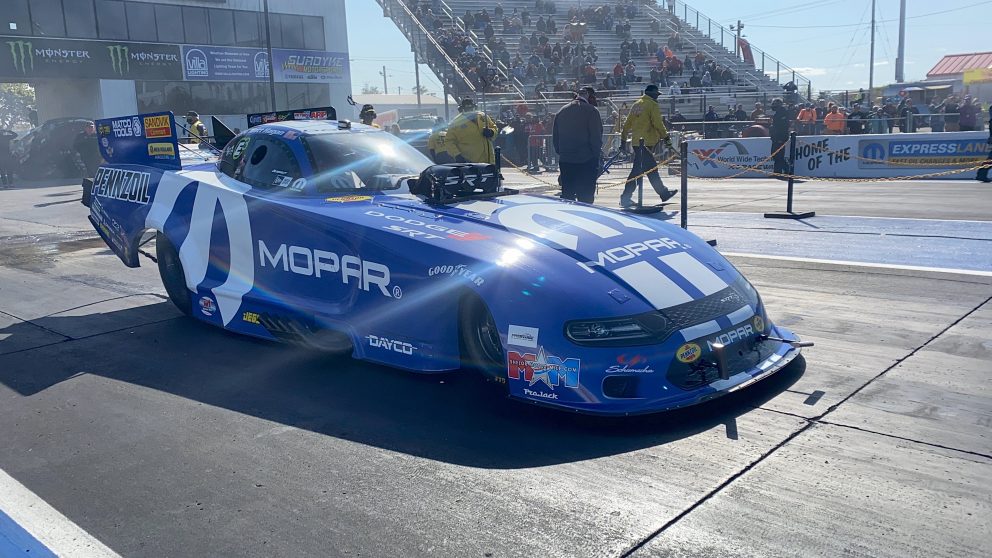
171, 271
482, 349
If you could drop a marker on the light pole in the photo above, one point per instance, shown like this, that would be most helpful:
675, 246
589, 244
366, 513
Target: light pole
268, 48
385, 86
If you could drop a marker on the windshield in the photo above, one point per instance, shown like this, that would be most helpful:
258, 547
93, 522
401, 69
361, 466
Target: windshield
362, 161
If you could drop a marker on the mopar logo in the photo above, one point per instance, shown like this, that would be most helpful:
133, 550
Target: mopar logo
22, 54
319, 263
731, 336
261, 65
119, 58
874, 152
196, 63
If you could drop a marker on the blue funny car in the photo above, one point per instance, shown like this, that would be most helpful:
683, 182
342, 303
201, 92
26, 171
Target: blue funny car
342, 236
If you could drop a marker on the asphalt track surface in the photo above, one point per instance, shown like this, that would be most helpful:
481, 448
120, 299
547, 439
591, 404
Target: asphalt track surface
128, 429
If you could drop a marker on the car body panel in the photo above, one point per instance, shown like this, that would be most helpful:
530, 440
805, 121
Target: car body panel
389, 271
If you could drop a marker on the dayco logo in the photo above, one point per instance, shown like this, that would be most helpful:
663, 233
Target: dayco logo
317, 263
688, 353
390, 345
161, 150
23, 53
119, 59
632, 251
731, 336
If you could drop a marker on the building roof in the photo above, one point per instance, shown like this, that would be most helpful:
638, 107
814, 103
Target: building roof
397, 99
954, 64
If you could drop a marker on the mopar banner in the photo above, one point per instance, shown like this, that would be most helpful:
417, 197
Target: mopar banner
854, 156
310, 66
141, 139
320, 113
34, 57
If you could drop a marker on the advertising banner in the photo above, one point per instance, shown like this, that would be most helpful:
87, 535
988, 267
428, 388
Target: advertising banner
141, 139
319, 113
310, 66
34, 57
854, 156
217, 63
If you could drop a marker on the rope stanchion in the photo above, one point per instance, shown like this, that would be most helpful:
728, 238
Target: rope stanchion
789, 214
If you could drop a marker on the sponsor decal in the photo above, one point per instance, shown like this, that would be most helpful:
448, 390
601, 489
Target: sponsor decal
23, 54
522, 336
457, 271
541, 367
348, 199
637, 364
261, 64
251, 318
415, 228
393, 345
728, 152
553, 222
240, 147
207, 306
122, 55
541, 394
196, 64
688, 353
632, 251
367, 275
126, 127
157, 127
921, 152
119, 184
759, 324
119, 59
738, 334
164, 150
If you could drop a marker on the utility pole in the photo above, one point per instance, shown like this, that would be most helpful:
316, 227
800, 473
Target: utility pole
385, 86
871, 60
416, 73
901, 56
272, 66
737, 43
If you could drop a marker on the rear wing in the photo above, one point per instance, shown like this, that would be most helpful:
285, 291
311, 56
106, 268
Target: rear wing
320, 113
141, 139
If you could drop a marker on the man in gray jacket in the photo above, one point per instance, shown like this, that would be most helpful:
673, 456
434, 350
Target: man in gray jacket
578, 139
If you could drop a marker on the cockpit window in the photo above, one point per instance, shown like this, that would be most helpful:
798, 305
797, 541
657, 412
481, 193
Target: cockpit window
362, 161
271, 165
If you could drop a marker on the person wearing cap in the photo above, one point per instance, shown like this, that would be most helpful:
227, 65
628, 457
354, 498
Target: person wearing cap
983, 173
367, 116
968, 121
646, 128
470, 135
779, 132
197, 131
577, 136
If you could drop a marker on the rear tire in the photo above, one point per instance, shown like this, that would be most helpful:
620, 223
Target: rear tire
482, 349
173, 277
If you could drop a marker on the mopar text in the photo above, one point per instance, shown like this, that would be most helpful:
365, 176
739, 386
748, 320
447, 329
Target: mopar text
631, 251
319, 263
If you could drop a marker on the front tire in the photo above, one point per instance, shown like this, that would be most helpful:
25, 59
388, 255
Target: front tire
170, 268
482, 349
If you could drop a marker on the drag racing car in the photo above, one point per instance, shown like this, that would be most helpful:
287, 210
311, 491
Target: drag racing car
342, 236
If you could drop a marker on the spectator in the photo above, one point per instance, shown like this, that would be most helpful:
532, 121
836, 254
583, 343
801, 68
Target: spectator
877, 122
710, 131
833, 121
983, 173
952, 114
968, 121
806, 120
856, 120
740, 115
908, 114
891, 113
577, 136
936, 116
758, 112
821, 113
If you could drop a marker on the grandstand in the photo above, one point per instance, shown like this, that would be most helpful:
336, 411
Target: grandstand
471, 60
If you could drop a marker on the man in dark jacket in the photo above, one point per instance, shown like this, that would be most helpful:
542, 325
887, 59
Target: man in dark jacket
779, 133
577, 136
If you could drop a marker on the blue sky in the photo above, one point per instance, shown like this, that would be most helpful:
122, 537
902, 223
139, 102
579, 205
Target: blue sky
827, 40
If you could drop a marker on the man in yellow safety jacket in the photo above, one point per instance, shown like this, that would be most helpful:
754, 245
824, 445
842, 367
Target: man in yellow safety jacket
470, 135
645, 123
437, 145
197, 130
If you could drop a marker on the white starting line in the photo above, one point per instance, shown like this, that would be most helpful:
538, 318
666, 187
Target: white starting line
861, 264
35, 528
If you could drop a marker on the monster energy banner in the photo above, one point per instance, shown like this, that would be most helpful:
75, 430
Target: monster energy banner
33, 57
